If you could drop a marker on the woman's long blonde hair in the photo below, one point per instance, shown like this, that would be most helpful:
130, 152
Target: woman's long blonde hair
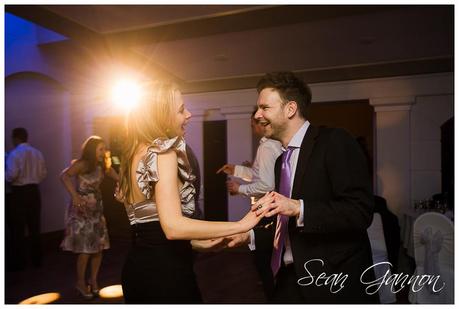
153, 117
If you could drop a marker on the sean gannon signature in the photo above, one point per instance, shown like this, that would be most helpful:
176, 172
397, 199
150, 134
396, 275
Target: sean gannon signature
396, 281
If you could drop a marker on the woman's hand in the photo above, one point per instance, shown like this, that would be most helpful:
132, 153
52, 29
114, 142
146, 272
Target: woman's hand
118, 194
253, 217
264, 203
108, 160
78, 201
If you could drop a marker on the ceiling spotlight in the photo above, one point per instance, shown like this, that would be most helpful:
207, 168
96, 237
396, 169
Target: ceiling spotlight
126, 93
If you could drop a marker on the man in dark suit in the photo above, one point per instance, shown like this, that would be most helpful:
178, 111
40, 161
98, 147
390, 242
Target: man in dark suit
323, 203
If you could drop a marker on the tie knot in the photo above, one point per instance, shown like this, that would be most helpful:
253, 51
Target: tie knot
287, 154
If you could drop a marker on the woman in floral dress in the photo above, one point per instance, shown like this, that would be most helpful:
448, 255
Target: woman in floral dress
86, 231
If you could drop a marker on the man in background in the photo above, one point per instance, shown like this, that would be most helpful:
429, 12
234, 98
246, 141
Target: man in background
25, 170
261, 174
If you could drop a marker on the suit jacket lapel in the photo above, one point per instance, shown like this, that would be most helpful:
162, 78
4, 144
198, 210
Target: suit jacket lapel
303, 157
277, 168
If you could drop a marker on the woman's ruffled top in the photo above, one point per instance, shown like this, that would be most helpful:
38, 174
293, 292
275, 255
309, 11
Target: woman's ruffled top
147, 176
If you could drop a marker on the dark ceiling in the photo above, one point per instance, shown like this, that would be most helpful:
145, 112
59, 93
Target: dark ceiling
225, 47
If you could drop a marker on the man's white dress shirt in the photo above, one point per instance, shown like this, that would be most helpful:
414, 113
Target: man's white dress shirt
261, 174
25, 165
295, 143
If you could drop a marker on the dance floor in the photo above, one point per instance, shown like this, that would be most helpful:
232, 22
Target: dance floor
226, 277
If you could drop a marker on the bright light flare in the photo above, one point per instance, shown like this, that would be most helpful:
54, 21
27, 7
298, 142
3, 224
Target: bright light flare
126, 93
46, 298
112, 291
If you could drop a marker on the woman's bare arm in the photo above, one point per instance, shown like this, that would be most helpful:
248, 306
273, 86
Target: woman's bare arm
173, 223
77, 167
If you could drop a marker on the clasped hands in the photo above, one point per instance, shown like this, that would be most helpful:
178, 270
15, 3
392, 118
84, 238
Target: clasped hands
276, 203
271, 204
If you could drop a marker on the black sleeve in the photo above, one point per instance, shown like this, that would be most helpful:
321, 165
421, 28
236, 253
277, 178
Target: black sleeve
264, 235
350, 207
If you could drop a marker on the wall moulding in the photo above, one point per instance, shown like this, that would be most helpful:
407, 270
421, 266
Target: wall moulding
392, 104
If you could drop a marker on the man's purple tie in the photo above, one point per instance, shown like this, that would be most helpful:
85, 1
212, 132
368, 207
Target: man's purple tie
282, 221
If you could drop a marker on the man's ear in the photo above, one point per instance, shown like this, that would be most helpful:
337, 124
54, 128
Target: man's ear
292, 108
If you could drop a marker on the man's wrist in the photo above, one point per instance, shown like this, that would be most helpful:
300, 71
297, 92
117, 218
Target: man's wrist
246, 238
296, 207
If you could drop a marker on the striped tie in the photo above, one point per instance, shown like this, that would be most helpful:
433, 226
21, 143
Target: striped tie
282, 221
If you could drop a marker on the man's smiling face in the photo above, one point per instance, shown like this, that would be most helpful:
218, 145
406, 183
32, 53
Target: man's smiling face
272, 113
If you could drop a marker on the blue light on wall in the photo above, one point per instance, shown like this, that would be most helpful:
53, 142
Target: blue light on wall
23, 32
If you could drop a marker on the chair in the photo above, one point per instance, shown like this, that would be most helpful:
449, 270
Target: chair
391, 228
433, 238
379, 251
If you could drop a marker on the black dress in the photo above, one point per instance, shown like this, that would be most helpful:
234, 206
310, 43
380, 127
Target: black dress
158, 270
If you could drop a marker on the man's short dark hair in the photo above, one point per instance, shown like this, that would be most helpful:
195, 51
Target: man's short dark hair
290, 88
20, 134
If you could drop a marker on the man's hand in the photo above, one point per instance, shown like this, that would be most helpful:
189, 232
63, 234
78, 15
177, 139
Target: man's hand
277, 204
210, 245
238, 240
218, 244
227, 169
233, 187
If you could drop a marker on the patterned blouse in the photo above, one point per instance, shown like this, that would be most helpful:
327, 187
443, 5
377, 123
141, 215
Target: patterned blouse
147, 176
